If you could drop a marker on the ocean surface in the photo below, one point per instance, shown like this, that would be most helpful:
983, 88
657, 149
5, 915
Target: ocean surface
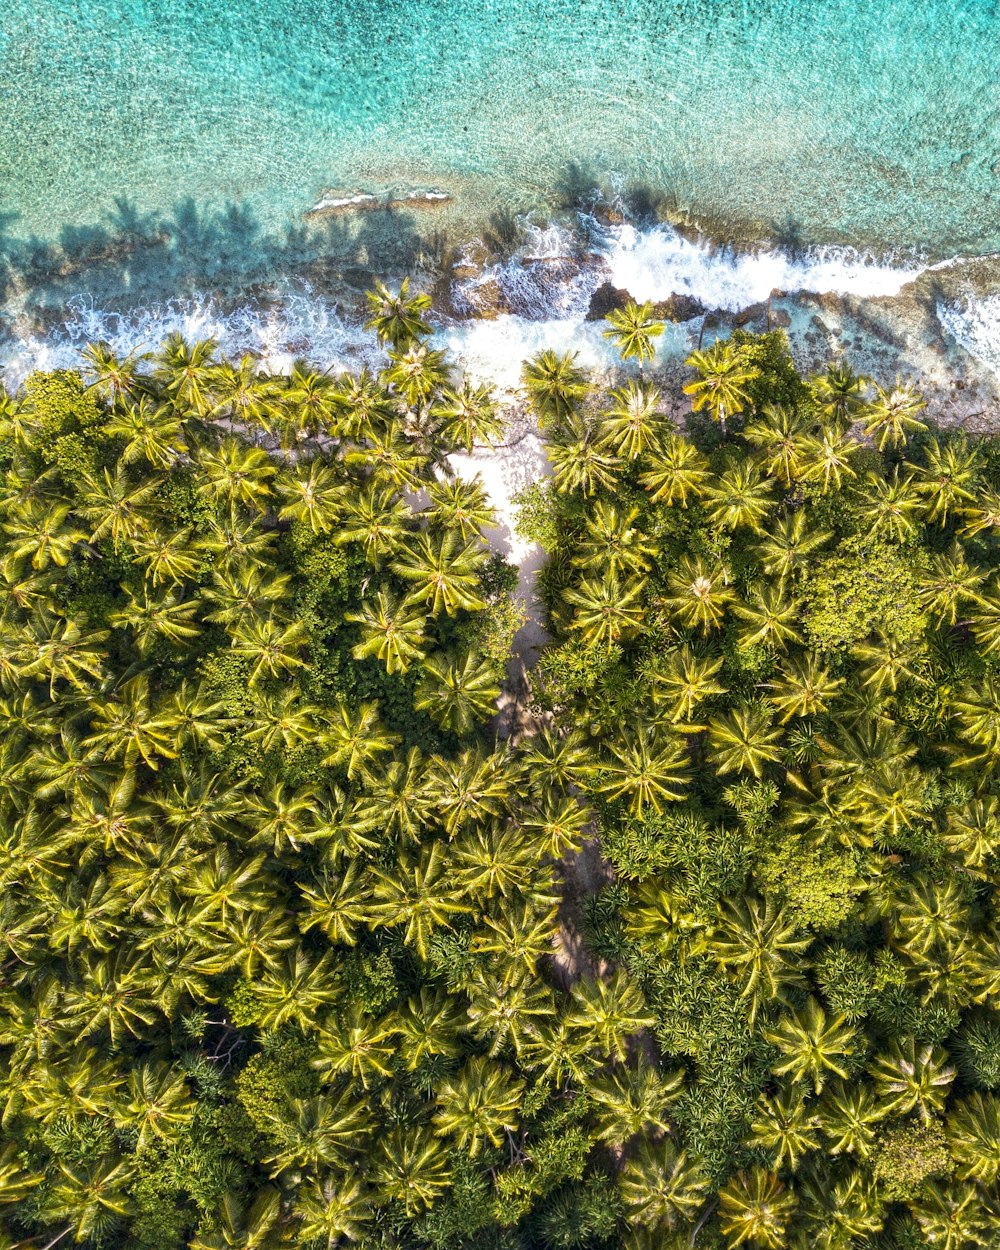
158, 157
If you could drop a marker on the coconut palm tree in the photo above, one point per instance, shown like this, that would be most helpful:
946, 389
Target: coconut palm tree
754, 1209
457, 691
185, 374
755, 942
891, 506
839, 392
781, 432
605, 610
647, 769
698, 593
554, 386
677, 474
912, 1076
722, 385
786, 1126
469, 416
739, 497
811, 1046
633, 329
443, 570
478, 1106
663, 1189
892, 415
743, 740
633, 425
398, 317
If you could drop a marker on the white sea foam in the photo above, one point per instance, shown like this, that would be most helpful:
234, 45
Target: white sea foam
974, 323
542, 293
656, 263
298, 324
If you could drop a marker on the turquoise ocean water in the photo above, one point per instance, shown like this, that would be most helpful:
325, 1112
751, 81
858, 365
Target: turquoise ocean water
816, 120
157, 158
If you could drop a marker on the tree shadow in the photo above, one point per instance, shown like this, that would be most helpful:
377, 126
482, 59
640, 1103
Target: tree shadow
133, 257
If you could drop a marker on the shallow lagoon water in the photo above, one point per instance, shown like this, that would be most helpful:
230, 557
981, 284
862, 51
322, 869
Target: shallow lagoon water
157, 157
813, 120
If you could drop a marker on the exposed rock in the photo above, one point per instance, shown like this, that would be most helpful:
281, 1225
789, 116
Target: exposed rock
780, 318
755, 312
606, 299
679, 308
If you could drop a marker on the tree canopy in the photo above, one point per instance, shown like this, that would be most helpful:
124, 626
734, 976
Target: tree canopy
292, 951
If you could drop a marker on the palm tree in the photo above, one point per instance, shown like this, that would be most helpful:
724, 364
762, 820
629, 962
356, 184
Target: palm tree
786, 1126
469, 416
418, 895
892, 415
417, 373
805, 688
739, 498
951, 583
41, 535
460, 505
605, 610
648, 768
611, 1011
826, 459
118, 507
479, 1105
698, 594
333, 1211
781, 432
849, 1113
377, 519
633, 426
313, 494
912, 1076
554, 385
236, 476
754, 1209
271, 647
392, 631
152, 432
662, 1188
754, 942
786, 549
443, 570
632, 1099
742, 740
398, 318
812, 1046
677, 473
839, 393
770, 616
241, 394
891, 506
184, 374
579, 462
114, 380
357, 737
457, 691
722, 386
686, 680
973, 1127
953, 1218
949, 477
411, 1169
633, 329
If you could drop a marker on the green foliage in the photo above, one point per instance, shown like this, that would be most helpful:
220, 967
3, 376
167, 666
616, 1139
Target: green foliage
864, 585
299, 953
909, 1155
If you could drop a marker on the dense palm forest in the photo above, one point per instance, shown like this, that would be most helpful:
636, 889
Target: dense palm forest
285, 941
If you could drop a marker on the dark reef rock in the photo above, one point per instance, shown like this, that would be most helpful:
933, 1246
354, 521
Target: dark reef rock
679, 308
606, 299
